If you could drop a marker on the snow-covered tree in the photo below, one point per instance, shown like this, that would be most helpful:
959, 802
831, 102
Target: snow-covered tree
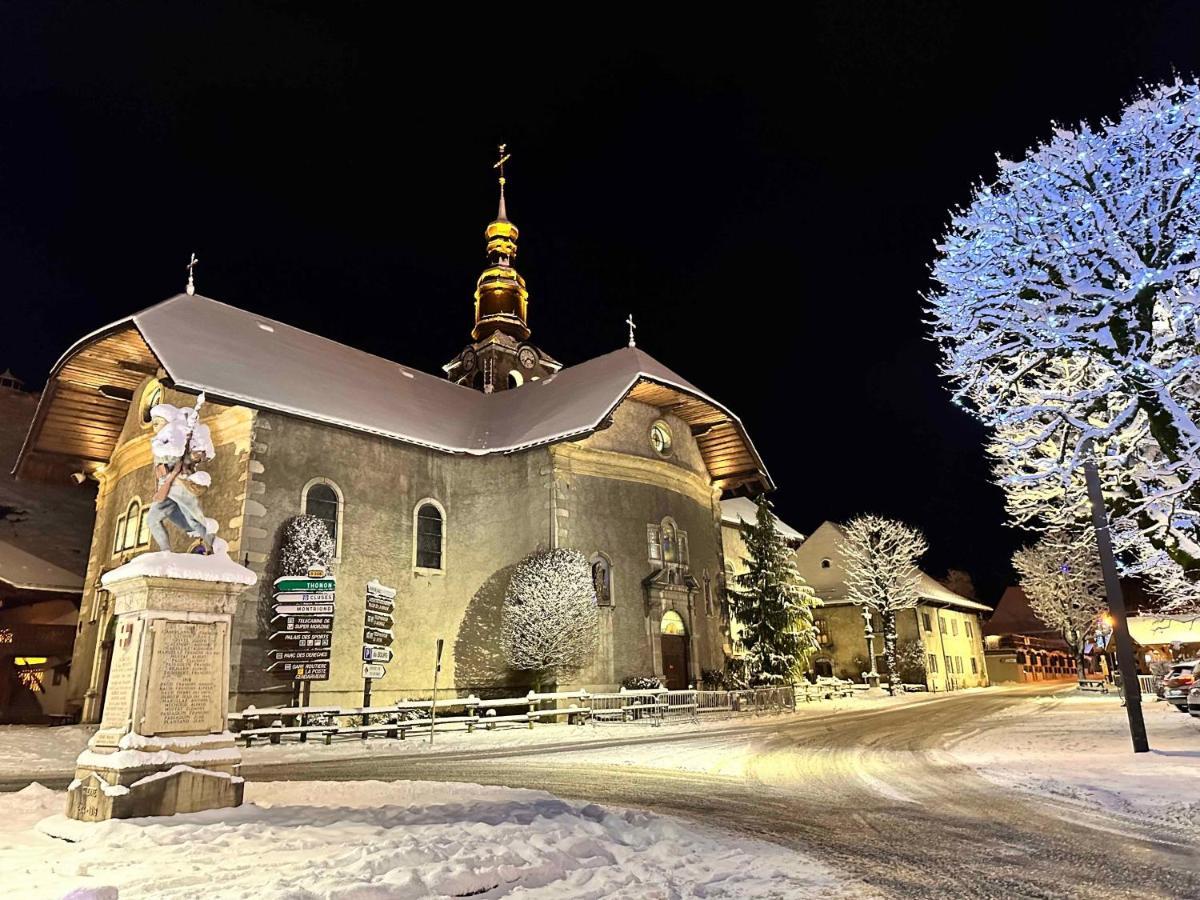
549, 623
1061, 578
1066, 311
306, 543
772, 603
880, 558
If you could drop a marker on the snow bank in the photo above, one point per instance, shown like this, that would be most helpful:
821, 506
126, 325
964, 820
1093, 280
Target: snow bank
1076, 748
165, 564
395, 840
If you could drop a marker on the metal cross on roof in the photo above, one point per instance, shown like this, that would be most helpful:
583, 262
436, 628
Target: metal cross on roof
191, 284
632, 326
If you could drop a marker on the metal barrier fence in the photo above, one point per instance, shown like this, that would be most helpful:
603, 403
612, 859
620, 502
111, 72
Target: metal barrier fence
651, 706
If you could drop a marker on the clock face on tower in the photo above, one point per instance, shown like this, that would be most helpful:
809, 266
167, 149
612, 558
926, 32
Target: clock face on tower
527, 357
468, 359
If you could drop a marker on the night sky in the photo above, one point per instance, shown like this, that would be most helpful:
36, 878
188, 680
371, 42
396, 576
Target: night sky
763, 196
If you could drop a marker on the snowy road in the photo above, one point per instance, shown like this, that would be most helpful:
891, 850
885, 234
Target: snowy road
870, 792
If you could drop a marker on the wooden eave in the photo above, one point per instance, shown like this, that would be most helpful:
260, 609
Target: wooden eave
74, 420
733, 464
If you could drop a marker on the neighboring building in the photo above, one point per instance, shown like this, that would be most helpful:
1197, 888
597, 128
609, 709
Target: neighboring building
437, 487
734, 511
1019, 647
44, 534
947, 626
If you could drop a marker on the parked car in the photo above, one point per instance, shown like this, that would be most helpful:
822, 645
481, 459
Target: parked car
1194, 700
1178, 682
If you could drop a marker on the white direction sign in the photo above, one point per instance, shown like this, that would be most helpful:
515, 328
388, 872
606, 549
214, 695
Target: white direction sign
304, 609
373, 670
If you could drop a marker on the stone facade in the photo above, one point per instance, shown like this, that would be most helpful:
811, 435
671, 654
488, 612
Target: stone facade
599, 494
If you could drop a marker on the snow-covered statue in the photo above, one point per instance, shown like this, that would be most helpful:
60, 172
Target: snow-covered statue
181, 443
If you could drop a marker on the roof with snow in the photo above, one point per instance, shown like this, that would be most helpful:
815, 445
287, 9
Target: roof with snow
26, 572
734, 510
829, 581
239, 357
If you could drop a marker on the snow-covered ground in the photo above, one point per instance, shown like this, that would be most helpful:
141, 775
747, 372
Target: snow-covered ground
35, 750
1076, 747
372, 839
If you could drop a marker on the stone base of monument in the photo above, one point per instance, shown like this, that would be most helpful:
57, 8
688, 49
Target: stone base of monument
163, 747
160, 778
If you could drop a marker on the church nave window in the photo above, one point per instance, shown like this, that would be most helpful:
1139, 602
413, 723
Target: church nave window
133, 527
322, 499
429, 544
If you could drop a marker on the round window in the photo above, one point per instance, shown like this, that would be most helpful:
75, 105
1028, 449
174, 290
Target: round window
660, 437
151, 397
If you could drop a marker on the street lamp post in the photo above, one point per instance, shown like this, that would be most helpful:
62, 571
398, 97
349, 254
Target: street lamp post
1116, 605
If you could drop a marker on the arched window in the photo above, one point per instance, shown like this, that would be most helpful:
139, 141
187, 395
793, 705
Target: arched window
133, 527
515, 378
429, 536
323, 499
602, 579
672, 623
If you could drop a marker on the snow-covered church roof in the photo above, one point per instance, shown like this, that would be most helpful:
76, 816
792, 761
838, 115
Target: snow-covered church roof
735, 510
237, 356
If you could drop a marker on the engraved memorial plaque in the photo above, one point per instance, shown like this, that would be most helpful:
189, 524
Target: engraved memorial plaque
187, 672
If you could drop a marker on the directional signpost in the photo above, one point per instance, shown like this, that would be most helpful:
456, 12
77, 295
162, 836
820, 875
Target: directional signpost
378, 607
302, 626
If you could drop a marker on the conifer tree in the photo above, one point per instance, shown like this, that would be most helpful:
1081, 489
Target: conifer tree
772, 603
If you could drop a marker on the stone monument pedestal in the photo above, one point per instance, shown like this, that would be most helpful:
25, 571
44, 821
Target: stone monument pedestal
163, 747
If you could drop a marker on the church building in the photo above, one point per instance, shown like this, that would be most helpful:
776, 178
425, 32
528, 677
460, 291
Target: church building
434, 486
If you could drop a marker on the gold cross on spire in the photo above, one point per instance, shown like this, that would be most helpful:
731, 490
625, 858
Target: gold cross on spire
499, 164
191, 284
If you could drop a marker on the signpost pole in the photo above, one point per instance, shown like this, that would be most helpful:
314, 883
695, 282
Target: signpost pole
366, 699
437, 667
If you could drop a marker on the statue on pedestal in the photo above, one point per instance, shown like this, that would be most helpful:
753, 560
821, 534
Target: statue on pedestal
181, 443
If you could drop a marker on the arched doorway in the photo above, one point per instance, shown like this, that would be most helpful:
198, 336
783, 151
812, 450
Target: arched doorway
674, 651
823, 668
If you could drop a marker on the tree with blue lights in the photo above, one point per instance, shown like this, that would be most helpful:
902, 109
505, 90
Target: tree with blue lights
1065, 307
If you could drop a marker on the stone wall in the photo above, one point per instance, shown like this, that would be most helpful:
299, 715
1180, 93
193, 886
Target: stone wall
598, 494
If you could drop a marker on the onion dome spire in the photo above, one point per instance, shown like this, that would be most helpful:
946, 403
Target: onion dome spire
501, 300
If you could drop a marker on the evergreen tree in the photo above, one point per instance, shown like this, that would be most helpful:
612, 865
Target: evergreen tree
772, 603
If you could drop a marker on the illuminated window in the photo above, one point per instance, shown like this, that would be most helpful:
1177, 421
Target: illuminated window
660, 438
672, 623
429, 536
133, 527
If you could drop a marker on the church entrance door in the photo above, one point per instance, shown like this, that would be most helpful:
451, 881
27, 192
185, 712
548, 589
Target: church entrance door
674, 651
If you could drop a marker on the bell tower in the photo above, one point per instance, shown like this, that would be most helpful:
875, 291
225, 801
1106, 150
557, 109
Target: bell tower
500, 355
